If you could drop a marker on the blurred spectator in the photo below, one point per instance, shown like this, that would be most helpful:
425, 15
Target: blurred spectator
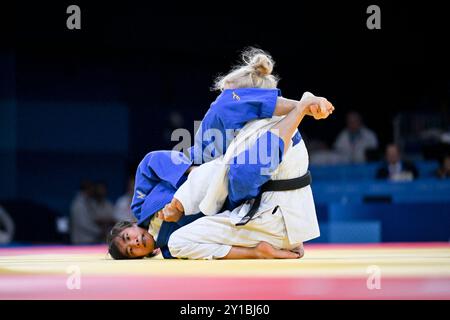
122, 208
91, 214
355, 139
103, 210
83, 228
396, 169
444, 170
321, 154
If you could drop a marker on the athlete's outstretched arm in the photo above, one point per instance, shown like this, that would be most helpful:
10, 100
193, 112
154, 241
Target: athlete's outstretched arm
285, 105
319, 107
247, 178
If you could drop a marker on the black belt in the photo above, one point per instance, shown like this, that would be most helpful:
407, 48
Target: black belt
276, 185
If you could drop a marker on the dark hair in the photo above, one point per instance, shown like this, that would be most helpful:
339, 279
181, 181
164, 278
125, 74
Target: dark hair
113, 249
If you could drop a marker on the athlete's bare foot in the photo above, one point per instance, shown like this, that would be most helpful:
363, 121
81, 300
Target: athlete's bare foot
264, 250
299, 250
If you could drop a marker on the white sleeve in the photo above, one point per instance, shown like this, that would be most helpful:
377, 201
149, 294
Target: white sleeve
194, 189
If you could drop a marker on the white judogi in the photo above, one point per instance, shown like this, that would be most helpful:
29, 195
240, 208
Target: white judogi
207, 187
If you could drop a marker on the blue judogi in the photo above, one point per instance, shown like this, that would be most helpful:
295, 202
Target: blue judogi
231, 110
158, 176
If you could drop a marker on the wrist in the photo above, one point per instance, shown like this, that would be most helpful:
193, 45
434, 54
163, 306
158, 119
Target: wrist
301, 107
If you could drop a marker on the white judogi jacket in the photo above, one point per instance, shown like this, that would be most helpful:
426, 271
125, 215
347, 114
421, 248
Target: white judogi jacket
207, 186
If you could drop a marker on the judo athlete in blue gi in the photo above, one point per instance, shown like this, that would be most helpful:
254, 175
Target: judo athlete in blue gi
248, 93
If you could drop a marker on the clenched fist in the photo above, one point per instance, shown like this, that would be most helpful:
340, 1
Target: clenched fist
317, 107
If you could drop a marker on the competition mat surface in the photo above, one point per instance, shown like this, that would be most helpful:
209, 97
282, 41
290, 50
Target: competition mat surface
361, 271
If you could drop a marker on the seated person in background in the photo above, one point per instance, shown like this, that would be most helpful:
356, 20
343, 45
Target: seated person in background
103, 209
83, 228
91, 214
444, 169
354, 140
122, 209
321, 154
396, 169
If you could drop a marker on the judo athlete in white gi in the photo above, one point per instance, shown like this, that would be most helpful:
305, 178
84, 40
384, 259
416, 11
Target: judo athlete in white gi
283, 220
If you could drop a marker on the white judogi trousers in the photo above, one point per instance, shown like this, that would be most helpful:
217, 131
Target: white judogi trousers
212, 237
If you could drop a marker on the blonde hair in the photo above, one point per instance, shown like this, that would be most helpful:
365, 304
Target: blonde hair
255, 72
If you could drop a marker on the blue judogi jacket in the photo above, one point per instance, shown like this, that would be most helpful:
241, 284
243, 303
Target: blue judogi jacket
231, 110
158, 176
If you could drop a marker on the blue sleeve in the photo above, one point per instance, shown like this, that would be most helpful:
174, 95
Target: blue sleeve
168, 166
253, 167
229, 113
160, 170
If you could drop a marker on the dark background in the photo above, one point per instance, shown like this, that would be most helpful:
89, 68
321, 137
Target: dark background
155, 59
91, 103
